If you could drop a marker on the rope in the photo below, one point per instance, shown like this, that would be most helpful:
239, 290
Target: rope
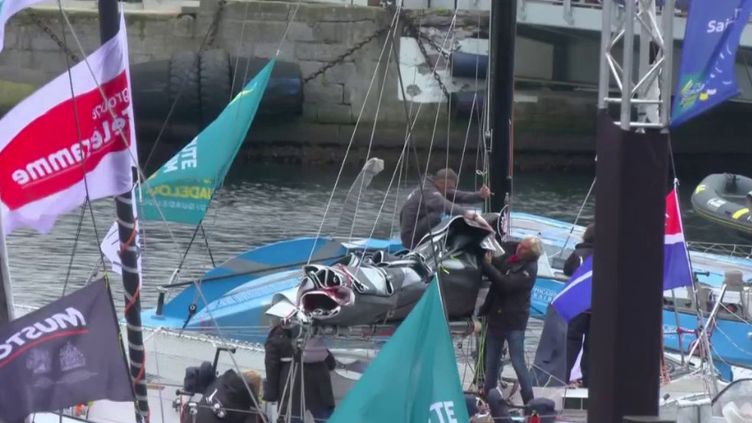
134, 160
349, 146
408, 138
83, 161
373, 127
576, 219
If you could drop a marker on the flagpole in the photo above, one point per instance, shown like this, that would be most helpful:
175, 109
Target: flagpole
6, 293
109, 23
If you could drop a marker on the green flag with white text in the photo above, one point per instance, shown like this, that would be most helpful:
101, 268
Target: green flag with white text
414, 378
184, 186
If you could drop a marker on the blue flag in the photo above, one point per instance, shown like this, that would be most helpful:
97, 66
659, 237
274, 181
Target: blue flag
707, 76
576, 296
677, 272
414, 378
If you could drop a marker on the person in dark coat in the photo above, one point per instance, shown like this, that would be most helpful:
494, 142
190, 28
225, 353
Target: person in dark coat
579, 326
440, 196
227, 399
317, 361
507, 309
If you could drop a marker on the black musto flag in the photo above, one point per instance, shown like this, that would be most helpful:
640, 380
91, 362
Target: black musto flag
61, 355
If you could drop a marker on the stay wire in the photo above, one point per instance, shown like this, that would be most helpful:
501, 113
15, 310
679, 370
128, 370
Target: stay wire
202, 47
349, 147
126, 142
83, 161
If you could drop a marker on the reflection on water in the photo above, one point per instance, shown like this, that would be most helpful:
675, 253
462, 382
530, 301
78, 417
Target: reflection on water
261, 204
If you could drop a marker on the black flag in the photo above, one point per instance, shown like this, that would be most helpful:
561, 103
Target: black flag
61, 355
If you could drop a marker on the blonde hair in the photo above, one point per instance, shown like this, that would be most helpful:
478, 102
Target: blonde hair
535, 245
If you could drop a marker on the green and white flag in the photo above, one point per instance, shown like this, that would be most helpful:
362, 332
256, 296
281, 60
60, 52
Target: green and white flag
414, 378
184, 186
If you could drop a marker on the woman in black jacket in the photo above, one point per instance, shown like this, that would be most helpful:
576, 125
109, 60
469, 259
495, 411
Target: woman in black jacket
507, 308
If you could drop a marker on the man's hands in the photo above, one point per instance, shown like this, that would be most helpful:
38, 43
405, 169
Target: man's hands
484, 192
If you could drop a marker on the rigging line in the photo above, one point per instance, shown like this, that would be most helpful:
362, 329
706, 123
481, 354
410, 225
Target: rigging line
469, 123
373, 129
383, 203
422, 177
417, 168
156, 364
287, 28
73, 251
449, 100
350, 143
404, 166
576, 219
237, 58
83, 162
134, 159
218, 330
204, 44
472, 115
206, 241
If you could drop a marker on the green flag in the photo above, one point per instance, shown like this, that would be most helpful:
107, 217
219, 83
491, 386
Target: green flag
184, 186
414, 378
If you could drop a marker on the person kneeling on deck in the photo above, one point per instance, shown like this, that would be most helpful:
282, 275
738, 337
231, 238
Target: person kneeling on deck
507, 308
421, 212
280, 354
579, 326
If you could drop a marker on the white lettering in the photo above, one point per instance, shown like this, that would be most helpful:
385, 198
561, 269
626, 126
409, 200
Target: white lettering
71, 317
31, 332
449, 407
443, 409
5, 351
187, 158
38, 169
20, 176
722, 25
436, 407
60, 159
51, 325
16, 339
76, 150
171, 165
69, 156
118, 124
96, 140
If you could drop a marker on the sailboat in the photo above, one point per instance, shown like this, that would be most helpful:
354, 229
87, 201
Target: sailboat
268, 270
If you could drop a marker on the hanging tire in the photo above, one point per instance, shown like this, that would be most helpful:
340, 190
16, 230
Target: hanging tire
184, 86
214, 87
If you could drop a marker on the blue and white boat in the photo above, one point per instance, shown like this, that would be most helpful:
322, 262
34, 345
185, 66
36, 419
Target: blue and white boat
236, 295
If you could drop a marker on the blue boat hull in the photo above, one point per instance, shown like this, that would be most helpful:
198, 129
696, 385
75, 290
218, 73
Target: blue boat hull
242, 289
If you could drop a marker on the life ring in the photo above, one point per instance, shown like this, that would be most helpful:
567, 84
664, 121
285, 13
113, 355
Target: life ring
722, 198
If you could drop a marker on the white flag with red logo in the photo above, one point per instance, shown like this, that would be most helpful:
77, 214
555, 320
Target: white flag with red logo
55, 148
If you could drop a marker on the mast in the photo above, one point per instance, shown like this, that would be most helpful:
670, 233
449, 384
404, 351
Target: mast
632, 174
6, 295
109, 23
501, 76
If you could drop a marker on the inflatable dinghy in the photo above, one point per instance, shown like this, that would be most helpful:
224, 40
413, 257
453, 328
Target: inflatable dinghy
722, 198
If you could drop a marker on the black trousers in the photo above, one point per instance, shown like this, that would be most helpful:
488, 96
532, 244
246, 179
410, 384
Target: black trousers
579, 326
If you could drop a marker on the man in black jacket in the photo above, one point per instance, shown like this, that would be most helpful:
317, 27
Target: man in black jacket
507, 308
280, 353
420, 213
579, 326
